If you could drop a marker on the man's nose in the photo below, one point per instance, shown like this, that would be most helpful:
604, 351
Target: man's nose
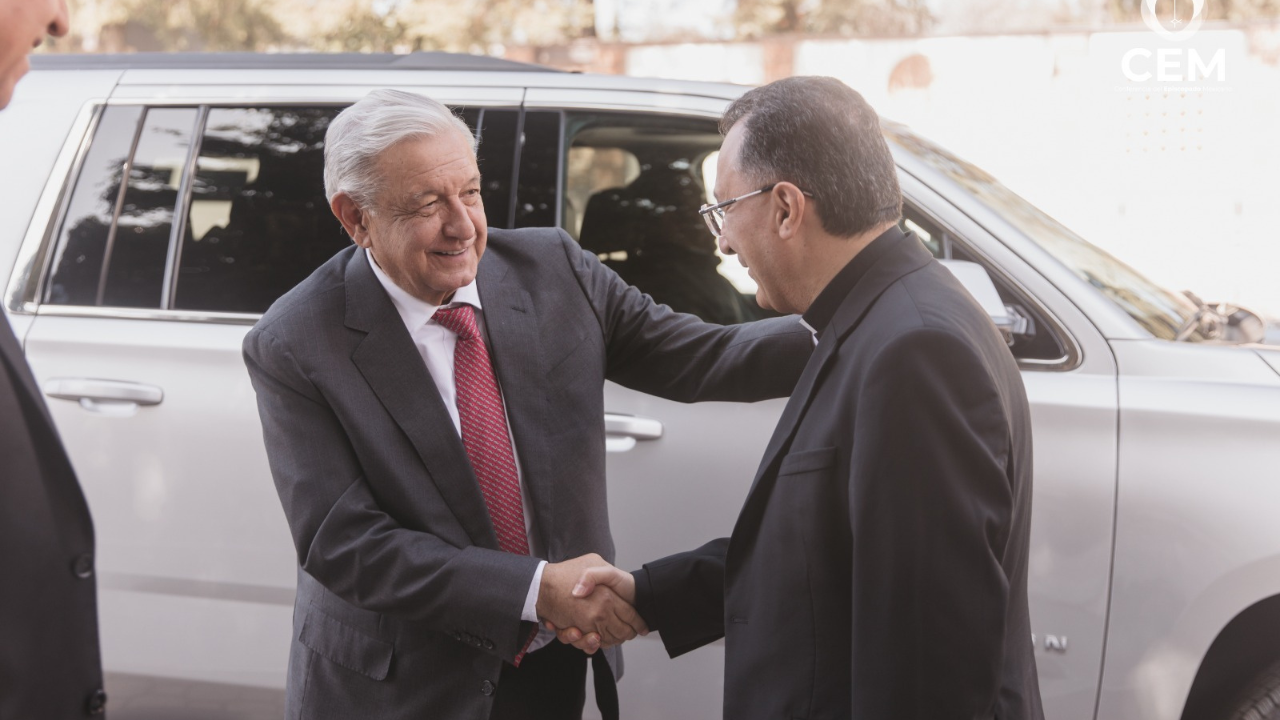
725, 249
60, 25
459, 224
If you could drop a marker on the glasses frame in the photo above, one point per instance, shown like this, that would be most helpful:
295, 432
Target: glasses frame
713, 215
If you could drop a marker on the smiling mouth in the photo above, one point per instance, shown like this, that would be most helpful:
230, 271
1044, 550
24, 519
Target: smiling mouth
454, 253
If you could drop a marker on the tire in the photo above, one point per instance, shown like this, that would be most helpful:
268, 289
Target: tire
1261, 700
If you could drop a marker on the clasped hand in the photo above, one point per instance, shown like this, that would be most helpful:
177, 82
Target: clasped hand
588, 603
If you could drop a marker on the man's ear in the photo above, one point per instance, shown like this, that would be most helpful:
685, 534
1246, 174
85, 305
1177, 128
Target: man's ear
352, 217
790, 209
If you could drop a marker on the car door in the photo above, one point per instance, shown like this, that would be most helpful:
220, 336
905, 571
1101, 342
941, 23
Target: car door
1070, 377
183, 223
631, 177
630, 183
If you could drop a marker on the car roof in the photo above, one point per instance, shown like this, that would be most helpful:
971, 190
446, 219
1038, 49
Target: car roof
282, 61
319, 69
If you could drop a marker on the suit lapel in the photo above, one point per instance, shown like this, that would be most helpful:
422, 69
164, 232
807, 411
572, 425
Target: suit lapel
908, 256
515, 347
390, 363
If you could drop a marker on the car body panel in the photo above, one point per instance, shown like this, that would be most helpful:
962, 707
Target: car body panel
1196, 539
172, 551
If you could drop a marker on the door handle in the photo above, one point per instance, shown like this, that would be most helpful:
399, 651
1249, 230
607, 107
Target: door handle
623, 431
103, 395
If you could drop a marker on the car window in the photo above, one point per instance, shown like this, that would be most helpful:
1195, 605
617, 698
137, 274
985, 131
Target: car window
535, 203
258, 222
1039, 343
90, 218
496, 156
125, 265
631, 191
1159, 311
254, 223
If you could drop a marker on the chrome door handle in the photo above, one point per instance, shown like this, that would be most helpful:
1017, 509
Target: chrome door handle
640, 428
90, 392
622, 431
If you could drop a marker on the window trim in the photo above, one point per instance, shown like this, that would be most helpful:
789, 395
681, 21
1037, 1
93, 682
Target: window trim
177, 233
124, 313
110, 244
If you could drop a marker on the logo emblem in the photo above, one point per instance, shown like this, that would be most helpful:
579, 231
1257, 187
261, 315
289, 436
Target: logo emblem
1179, 31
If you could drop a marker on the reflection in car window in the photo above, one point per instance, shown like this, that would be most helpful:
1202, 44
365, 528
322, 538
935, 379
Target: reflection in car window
82, 242
1157, 310
259, 222
633, 187
139, 249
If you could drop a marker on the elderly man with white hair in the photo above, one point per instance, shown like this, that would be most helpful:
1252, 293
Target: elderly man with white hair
432, 404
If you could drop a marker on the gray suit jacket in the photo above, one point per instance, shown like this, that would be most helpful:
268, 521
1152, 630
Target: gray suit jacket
406, 607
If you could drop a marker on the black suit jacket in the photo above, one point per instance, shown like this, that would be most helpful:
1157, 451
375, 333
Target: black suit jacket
50, 665
879, 566
406, 608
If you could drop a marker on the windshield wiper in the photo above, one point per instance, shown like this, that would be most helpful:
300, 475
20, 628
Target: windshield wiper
1203, 310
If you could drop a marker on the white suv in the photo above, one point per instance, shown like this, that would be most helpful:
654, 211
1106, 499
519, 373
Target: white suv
158, 204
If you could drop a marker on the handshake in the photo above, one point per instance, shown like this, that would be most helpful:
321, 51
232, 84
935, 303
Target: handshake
588, 603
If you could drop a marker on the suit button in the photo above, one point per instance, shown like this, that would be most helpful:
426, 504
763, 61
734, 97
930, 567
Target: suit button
97, 702
486, 687
488, 645
83, 566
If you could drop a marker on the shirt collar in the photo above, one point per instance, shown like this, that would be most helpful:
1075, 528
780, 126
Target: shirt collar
824, 307
415, 312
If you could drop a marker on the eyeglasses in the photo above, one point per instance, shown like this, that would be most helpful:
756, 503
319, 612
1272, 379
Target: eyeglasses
714, 214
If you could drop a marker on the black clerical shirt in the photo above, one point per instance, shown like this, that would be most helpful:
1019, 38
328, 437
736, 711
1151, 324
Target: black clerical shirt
824, 307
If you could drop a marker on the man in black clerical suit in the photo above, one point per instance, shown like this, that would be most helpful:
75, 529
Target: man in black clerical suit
879, 566
49, 661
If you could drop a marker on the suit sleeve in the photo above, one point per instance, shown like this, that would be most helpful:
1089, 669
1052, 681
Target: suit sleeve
930, 508
653, 349
682, 597
353, 547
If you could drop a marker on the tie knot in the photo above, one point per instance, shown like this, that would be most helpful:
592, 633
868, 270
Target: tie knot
460, 319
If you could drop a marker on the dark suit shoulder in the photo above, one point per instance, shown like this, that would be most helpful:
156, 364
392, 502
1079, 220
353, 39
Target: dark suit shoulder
931, 299
314, 295
532, 246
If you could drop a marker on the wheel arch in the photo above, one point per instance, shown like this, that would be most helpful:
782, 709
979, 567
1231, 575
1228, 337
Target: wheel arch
1244, 647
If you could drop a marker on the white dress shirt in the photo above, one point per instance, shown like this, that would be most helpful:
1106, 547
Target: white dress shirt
436, 345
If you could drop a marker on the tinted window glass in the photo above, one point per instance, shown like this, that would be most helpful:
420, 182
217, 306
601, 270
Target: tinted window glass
539, 170
139, 249
77, 264
259, 222
495, 156
633, 187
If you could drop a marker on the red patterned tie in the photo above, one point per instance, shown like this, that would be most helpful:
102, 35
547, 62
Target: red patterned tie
484, 433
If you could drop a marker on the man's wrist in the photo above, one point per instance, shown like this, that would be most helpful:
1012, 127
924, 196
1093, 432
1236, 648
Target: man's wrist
530, 613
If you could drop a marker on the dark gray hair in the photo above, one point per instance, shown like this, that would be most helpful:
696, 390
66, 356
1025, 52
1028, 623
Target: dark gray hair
819, 134
359, 134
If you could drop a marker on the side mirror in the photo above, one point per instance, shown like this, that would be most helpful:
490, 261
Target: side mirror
1242, 326
1011, 323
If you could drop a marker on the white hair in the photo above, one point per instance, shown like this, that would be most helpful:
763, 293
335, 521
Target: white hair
359, 134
